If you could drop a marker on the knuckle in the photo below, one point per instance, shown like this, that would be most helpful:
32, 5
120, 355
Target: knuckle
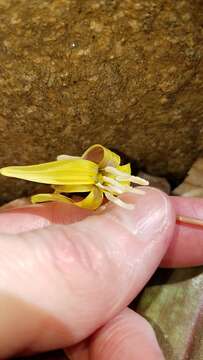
76, 250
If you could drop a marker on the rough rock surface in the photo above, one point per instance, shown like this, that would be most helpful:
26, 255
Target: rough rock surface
124, 73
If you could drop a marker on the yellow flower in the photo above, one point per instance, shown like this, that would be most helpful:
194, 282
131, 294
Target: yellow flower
97, 173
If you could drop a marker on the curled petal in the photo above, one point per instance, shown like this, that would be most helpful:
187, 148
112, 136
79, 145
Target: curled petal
92, 201
127, 170
50, 197
101, 156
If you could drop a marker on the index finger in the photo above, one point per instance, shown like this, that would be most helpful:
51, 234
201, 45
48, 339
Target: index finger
15, 220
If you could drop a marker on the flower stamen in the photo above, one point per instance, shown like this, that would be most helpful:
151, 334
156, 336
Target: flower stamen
119, 188
127, 188
117, 191
67, 157
110, 188
111, 181
118, 201
122, 176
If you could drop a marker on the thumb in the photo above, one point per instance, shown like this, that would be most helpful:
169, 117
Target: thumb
59, 284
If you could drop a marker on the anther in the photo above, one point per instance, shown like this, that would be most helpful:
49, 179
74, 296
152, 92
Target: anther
119, 202
123, 176
67, 157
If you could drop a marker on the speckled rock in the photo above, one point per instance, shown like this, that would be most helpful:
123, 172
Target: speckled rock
124, 73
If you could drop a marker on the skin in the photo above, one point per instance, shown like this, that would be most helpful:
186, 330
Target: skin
186, 247
67, 275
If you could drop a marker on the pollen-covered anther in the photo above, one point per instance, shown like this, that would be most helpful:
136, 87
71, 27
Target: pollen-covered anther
113, 182
67, 157
119, 202
110, 188
133, 190
121, 176
120, 188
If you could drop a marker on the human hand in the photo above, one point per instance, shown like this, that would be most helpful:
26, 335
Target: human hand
65, 273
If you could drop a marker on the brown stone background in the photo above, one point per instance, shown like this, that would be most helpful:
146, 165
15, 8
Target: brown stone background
124, 73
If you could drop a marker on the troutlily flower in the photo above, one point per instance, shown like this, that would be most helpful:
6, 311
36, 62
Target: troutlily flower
95, 175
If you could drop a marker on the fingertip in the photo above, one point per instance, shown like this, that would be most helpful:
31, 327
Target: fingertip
152, 218
127, 336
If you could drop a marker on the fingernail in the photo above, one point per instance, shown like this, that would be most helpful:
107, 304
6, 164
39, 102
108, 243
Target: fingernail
151, 211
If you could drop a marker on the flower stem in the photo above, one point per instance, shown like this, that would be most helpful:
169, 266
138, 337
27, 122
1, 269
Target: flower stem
189, 220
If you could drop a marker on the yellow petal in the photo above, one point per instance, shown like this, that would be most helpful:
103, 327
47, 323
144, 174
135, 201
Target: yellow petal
49, 197
72, 188
101, 156
92, 201
127, 170
63, 172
